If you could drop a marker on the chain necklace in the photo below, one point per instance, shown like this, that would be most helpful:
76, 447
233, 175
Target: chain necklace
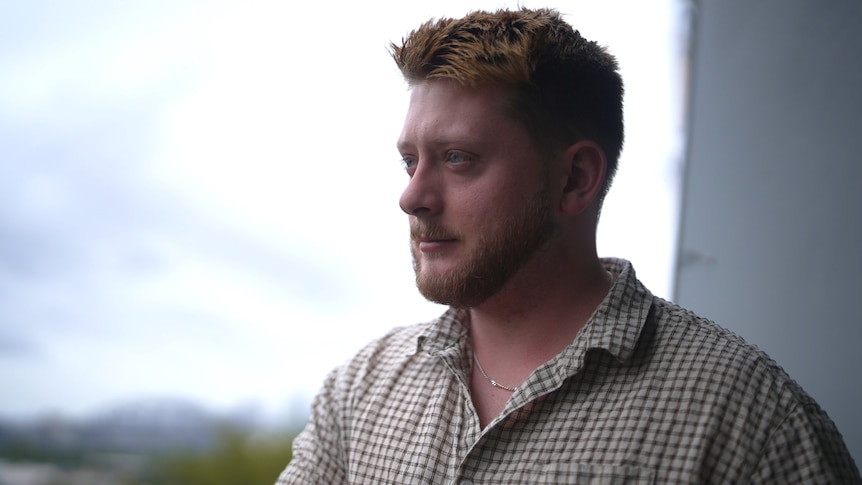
491, 381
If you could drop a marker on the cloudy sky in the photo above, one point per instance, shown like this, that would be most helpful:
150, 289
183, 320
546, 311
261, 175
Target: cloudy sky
199, 199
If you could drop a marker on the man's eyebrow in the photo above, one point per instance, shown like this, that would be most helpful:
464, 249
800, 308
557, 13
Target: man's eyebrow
402, 145
437, 143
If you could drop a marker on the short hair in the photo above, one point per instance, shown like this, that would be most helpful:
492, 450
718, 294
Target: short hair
565, 88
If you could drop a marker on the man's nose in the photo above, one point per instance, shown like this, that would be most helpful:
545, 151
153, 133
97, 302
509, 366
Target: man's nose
422, 196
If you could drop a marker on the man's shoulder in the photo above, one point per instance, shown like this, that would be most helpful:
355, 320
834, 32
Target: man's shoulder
386, 354
680, 331
710, 372
398, 341
706, 352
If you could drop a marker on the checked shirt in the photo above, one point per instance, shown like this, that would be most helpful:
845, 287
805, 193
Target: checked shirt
648, 392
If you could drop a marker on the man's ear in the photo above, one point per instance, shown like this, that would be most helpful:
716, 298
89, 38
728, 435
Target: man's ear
586, 165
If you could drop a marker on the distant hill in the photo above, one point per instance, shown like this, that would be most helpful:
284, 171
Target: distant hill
136, 426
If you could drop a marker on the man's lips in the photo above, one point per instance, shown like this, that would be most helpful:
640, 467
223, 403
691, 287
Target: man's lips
435, 244
431, 238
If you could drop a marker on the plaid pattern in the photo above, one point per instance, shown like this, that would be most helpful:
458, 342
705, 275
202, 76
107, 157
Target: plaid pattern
647, 393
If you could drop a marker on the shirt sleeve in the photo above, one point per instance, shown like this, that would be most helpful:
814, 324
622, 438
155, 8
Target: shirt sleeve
318, 455
806, 448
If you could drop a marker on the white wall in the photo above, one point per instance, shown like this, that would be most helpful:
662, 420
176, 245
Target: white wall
771, 224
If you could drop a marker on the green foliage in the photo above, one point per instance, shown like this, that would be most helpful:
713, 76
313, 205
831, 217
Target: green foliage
237, 458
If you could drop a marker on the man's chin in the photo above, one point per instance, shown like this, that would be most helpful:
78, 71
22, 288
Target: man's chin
439, 288
438, 268
451, 290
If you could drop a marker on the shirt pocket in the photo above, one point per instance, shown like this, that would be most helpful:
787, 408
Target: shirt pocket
592, 474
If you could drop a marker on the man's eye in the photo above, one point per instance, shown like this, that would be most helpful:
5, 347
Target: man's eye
458, 158
408, 163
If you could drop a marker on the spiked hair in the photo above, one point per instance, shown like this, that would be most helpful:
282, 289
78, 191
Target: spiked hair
564, 87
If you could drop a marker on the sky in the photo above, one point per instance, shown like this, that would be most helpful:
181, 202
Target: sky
199, 200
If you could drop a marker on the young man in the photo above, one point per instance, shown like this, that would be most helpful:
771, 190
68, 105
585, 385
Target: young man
551, 365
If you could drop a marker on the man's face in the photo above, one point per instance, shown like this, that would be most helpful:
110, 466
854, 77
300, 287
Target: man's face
478, 199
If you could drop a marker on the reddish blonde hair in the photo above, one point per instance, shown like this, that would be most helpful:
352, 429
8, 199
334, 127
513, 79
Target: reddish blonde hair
564, 87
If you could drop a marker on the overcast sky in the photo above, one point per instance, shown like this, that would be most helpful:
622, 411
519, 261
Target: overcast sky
200, 199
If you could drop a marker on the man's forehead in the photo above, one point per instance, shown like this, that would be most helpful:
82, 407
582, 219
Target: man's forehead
447, 107
437, 97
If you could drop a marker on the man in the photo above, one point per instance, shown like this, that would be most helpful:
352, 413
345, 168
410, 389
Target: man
551, 365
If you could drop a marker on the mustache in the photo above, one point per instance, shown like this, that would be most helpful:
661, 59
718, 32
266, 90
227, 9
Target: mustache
429, 230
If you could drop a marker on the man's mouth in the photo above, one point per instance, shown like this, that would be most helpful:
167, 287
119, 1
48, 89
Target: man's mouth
423, 239
431, 238
434, 245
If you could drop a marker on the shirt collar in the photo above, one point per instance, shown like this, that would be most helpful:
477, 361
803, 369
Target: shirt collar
447, 331
617, 322
614, 326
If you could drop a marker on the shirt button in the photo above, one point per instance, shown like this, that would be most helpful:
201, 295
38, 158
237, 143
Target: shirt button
467, 482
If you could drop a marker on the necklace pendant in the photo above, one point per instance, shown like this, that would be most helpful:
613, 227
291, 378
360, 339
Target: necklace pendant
492, 381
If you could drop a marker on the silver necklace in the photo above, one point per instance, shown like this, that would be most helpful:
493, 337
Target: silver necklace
491, 381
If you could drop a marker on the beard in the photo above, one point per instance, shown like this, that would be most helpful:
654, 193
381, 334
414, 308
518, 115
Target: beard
490, 264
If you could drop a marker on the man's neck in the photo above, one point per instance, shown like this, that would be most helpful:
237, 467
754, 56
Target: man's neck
537, 315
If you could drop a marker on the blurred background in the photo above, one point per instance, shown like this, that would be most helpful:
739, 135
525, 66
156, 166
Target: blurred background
199, 218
